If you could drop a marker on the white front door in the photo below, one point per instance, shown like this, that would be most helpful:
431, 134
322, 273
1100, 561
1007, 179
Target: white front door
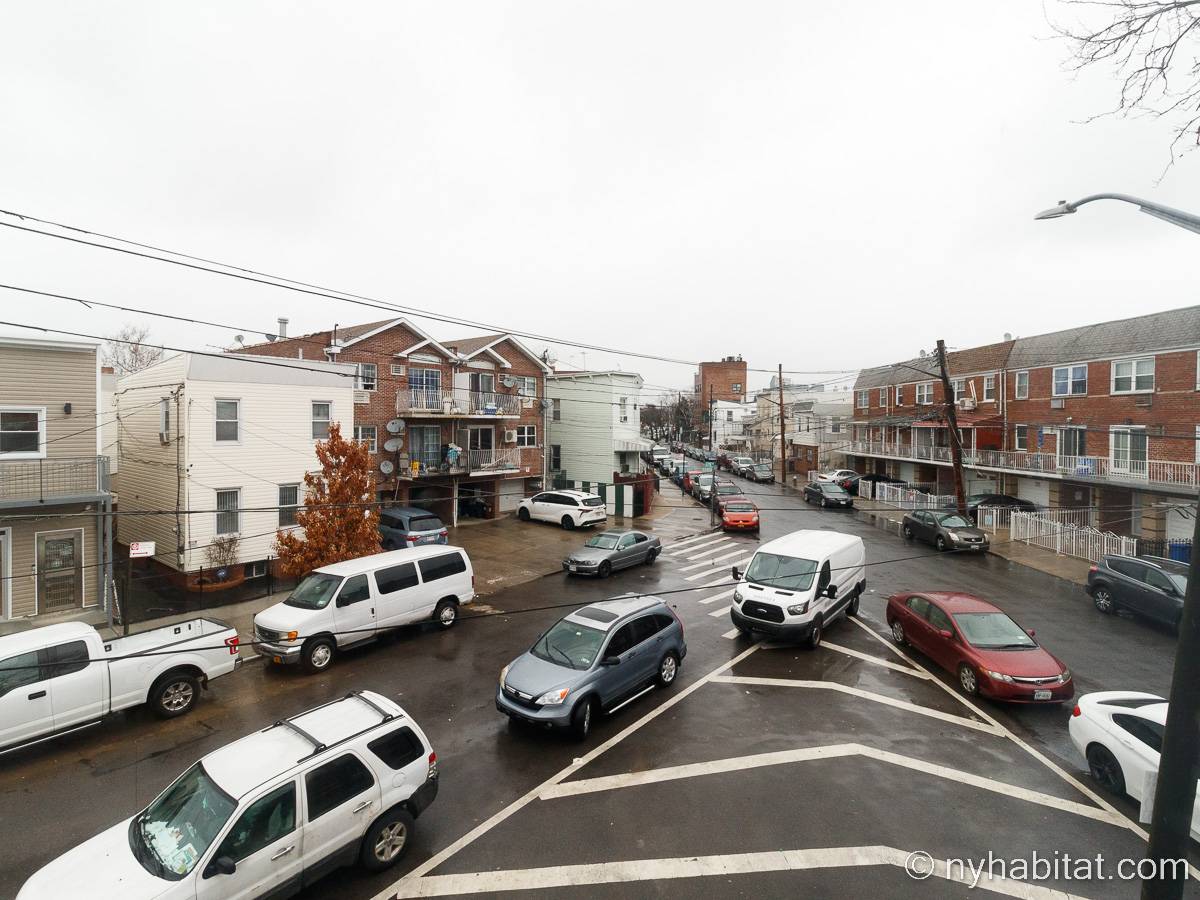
25, 710
265, 844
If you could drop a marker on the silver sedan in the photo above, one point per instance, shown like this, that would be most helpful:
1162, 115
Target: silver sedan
610, 550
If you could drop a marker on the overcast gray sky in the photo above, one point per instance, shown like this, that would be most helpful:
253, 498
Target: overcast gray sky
829, 186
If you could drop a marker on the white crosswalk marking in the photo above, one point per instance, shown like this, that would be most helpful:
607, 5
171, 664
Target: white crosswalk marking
721, 611
718, 547
714, 560
699, 537
728, 576
731, 634
720, 596
682, 552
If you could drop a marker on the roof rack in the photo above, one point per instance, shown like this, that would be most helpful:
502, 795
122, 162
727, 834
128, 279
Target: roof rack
318, 746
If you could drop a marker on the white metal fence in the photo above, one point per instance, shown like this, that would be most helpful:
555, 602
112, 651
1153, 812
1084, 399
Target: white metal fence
866, 489
992, 518
1082, 542
904, 496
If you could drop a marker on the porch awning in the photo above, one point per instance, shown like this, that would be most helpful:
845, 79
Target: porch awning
965, 420
630, 446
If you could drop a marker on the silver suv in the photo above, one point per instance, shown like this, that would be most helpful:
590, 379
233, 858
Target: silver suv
592, 661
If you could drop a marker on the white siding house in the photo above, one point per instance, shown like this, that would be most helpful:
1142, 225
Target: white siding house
222, 436
729, 424
595, 424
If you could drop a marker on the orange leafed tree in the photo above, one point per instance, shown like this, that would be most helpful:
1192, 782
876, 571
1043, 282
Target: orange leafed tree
339, 518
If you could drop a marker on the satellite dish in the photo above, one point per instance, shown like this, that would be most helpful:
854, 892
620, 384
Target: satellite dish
391, 445
395, 426
508, 381
547, 403
386, 467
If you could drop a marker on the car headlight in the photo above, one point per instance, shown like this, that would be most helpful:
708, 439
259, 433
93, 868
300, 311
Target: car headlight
737, 596
799, 609
503, 672
999, 676
553, 698
955, 536
1065, 676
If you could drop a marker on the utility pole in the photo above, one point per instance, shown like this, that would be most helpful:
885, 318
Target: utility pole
712, 446
782, 432
960, 494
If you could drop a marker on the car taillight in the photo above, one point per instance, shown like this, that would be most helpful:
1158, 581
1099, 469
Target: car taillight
443, 533
1076, 711
232, 644
433, 768
1093, 568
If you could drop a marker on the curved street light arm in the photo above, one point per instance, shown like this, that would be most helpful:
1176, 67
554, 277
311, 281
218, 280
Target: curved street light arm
1166, 213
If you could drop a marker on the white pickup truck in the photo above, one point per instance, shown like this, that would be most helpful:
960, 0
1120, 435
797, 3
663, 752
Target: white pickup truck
60, 678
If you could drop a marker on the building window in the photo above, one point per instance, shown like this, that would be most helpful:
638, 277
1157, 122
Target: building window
228, 515
425, 445
164, 416
1129, 450
835, 427
255, 569
366, 377
1133, 376
736, 387
526, 385
960, 389
320, 420
883, 396
556, 410
925, 393
863, 399
624, 412
1021, 389
1020, 437
1070, 381
989, 387
228, 421
23, 432
526, 435
289, 500
1072, 442
366, 434
555, 458
899, 395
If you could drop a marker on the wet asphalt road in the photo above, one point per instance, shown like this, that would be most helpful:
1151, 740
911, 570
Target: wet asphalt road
58, 794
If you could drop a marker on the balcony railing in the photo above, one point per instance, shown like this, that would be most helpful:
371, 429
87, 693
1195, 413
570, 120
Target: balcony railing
52, 480
439, 402
1152, 471
526, 460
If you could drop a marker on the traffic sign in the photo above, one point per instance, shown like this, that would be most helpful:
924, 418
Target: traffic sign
139, 549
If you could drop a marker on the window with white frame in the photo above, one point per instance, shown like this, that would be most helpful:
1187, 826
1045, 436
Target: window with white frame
526, 435
736, 387
366, 434
1021, 386
22, 432
1072, 441
729, 415
229, 427
366, 376
925, 393
883, 396
526, 385
862, 399
1133, 376
320, 420
1070, 381
556, 410
229, 517
1020, 437
289, 501
899, 395
989, 387
960, 389
621, 406
256, 569
835, 427
164, 416
555, 458
1129, 450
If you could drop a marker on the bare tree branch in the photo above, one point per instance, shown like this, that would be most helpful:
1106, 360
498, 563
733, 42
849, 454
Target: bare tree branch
127, 351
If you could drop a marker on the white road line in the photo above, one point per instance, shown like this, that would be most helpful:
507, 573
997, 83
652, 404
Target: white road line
709, 551
808, 754
721, 611
699, 537
713, 561
838, 648
724, 865
720, 596
987, 728
728, 577
731, 634
413, 880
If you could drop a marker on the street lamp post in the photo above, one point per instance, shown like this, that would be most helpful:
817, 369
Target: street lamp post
1179, 762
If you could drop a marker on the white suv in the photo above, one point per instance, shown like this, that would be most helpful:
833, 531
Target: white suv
268, 814
571, 509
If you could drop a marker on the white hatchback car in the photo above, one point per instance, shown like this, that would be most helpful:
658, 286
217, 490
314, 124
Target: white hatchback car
267, 815
570, 509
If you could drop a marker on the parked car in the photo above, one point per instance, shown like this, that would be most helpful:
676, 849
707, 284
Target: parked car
233, 824
1155, 588
592, 661
796, 585
700, 482
718, 489
1120, 734
851, 484
981, 645
827, 494
61, 678
974, 501
658, 453
356, 601
608, 551
738, 514
710, 456
724, 461
761, 472
571, 509
944, 530
689, 479
836, 475
409, 526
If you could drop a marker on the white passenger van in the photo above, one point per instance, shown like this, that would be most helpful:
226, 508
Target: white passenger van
797, 584
355, 601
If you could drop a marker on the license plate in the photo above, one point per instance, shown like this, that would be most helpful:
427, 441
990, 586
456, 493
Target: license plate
572, 568
1042, 695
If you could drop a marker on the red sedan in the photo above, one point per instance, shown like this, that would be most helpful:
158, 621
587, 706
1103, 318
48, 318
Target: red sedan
738, 514
989, 653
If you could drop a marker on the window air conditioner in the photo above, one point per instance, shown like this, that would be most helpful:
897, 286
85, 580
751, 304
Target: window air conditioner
1057, 403
966, 403
510, 436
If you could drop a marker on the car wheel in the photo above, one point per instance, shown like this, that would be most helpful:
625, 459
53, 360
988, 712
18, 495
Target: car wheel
668, 668
605, 569
174, 695
814, 636
968, 680
581, 719
386, 840
317, 655
523, 514
651, 557
568, 523
1105, 769
446, 614
898, 632
1103, 600
908, 534
852, 609
940, 543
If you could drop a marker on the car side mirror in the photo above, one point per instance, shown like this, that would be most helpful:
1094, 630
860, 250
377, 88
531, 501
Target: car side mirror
1030, 632
736, 573
222, 865
947, 634
831, 592
610, 661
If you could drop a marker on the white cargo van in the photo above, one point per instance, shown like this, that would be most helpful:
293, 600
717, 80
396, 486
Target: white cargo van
797, 584
355, 601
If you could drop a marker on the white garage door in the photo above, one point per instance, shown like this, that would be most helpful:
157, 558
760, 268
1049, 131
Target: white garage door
908, 472
980, 484
510, 493
1034, 491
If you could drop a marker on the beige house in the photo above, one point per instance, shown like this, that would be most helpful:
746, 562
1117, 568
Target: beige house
55, 536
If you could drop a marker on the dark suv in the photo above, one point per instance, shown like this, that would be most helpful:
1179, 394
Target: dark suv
1152, 587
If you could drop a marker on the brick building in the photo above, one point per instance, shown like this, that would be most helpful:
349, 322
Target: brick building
1103, 418
724, 379
472, 412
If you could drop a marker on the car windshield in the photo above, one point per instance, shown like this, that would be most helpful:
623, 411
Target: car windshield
993, 631
704, 480
171, 835
739, 507
314, 592
426, 523
603, 541
762, 467
1180, 582
592, 501
830, 488
569, 644
785, 572
727, 488
954, 521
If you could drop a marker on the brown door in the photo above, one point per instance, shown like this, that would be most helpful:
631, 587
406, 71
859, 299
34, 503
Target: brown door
59, 570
